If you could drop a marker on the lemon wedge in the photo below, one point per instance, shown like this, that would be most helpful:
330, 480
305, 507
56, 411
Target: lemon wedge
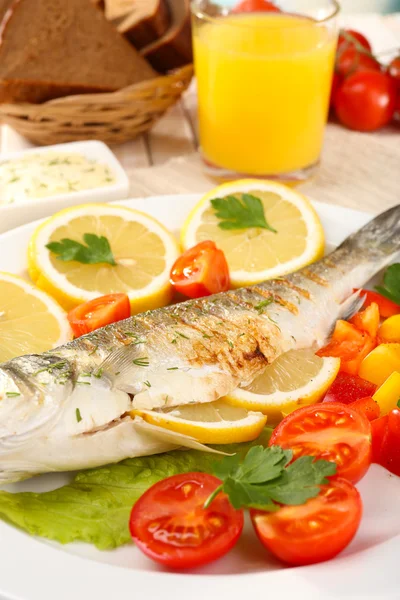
212, 423
144, 252
30, 321
256, 254
295, 379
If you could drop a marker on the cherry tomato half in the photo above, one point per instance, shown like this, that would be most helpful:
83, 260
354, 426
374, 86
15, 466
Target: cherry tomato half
348, 36
386, 441
98, 313
316, 531
201, 271
170, 524
256, 6
331, 431
366, 101
387, 308
348, 388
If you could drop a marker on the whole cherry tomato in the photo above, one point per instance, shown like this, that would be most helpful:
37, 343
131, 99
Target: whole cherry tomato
386, 441
394, 71
366, 101
316, 531
351, 37
201, 271
350, 60
330, 431
256, 6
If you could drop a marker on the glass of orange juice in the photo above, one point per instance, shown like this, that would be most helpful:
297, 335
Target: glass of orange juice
264, 81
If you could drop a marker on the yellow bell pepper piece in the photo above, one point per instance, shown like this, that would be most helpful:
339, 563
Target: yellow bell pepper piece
390, 330
379, 364
388, 395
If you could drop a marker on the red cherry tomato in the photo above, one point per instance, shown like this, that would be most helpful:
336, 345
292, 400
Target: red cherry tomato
201, 271
347, 37
336, 83
386, 441
387, 308
316, 531
348, 388
170, 524
366, 101
394, 71
98, 313
256, 6
349, 60
368, 407
329, 431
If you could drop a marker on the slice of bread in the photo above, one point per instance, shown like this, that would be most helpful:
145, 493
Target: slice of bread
174, 48
54, 48
116, 10
147, 22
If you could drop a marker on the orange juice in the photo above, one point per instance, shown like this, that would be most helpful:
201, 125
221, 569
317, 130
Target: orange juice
263, 91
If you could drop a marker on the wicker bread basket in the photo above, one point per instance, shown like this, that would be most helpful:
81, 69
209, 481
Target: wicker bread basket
112, 117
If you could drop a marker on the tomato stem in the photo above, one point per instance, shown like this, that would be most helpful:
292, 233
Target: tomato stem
212, 496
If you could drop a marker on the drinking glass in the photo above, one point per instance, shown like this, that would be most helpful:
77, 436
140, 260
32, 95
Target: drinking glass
264, 81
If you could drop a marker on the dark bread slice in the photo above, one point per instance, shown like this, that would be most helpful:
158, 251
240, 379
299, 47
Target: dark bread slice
117, 10
174, 48
54, 48
147, 22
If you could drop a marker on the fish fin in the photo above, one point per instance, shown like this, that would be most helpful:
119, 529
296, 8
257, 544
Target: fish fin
120, 362
172, 437
351, 305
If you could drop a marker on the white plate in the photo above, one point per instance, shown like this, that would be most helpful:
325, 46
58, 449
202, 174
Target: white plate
33, 569
13, 215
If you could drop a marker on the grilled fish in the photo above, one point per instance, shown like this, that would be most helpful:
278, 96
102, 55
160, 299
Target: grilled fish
69, 408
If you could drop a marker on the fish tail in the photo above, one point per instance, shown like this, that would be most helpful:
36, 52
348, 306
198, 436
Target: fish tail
378, 240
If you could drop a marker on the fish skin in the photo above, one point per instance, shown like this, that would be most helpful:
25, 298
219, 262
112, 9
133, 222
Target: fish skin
66, 409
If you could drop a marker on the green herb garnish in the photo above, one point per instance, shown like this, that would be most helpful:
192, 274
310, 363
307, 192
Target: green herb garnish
78, 415
99, 373
259, 307
96, 251
147, 383
240, 214
12, 394
391, 284
141, 362
265, 479
50, 368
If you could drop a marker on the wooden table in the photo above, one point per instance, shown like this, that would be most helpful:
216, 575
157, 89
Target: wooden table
358, 170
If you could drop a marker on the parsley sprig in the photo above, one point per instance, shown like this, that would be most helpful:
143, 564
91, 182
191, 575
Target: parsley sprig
267, 478
96, 251
391, 284
240, 214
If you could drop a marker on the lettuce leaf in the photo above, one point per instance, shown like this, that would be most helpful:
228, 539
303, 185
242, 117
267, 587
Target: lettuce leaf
95, 507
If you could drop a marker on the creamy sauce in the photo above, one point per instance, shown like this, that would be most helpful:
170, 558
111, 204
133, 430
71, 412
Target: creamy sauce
49, 174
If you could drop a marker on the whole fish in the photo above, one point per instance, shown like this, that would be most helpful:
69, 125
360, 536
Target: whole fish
69, 408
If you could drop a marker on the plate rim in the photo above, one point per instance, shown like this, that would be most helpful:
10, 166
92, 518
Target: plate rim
40, 559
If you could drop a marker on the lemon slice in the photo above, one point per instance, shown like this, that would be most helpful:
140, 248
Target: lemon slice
257, 254
142, 248
30, 321
211, 423
296, 378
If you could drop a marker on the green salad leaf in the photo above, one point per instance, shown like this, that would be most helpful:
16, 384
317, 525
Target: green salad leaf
95, 506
